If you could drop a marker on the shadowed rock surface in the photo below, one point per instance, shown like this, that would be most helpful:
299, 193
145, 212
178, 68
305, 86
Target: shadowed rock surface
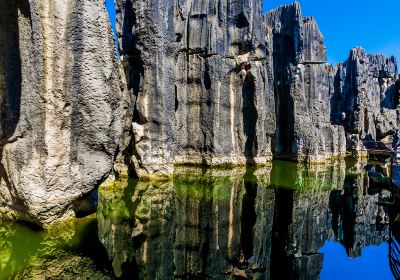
62, 101
303, 89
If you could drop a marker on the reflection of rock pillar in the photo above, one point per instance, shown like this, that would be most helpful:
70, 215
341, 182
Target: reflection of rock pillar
264, 209
248, 218
136, 227
212, 223
208, 208
356, 219
302, 217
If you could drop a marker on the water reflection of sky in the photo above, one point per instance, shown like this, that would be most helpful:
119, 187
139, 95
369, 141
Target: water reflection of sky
373, 264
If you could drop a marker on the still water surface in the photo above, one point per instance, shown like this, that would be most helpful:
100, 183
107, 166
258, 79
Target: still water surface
284, 221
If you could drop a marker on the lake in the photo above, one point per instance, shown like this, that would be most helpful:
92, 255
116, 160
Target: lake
280, 221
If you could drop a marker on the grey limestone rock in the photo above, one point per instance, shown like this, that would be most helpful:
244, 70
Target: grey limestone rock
303, 89
218, 83
62, 101
201, 76
201, 82
367, 95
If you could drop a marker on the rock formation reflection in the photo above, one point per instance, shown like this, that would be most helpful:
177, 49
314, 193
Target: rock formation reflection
68, 250
240, 223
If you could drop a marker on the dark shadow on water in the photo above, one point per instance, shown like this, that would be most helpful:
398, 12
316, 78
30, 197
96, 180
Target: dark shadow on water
88, 244
281, 263
343, 205
248, 216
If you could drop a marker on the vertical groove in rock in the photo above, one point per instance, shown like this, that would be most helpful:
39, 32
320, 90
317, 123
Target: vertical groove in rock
303, 88
213, 61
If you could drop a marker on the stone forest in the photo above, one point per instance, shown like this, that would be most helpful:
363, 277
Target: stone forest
211, 141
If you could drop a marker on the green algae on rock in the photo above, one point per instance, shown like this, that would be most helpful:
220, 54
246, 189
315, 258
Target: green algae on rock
66, 250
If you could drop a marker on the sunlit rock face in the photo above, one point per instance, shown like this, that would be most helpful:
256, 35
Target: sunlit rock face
367, 96
303, 88
201, 74
61, 102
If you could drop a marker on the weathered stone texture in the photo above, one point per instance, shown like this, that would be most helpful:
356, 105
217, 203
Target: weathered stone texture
303, 88
201, 74
210, 82
62, 101
367, 96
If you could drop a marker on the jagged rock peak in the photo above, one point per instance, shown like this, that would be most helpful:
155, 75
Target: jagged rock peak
280, 19
289, 10
296, 36
313, 42
367, 95
378, 64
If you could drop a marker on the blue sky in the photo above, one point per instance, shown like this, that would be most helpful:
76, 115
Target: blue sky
372, 24
373, 263
111, 11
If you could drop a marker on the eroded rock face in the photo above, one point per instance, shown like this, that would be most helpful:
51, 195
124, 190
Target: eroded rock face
303, 88
62, 101
211, 87
201, 74
367, 96
212, 82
